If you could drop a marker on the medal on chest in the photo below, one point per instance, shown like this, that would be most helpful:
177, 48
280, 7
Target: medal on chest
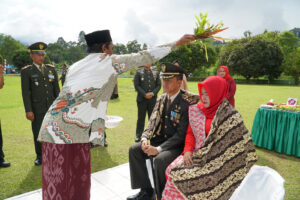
175, 115
51, 76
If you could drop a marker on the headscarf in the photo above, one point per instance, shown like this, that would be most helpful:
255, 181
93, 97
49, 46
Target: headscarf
227, 75
216, 88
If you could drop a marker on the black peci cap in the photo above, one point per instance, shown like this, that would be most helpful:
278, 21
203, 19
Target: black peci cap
37, 48
169, 70
98, 37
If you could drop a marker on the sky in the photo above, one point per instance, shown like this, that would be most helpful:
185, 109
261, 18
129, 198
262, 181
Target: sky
148, 21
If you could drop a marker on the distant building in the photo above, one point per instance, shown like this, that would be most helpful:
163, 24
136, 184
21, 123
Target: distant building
296, 31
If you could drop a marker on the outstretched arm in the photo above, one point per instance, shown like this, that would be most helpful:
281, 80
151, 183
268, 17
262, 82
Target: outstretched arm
126, 62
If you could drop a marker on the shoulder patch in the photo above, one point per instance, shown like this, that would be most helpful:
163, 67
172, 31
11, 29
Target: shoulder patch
190, 98
25, 67
48, 65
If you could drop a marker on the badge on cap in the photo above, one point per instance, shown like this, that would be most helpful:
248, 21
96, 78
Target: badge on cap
41, 46
163, 67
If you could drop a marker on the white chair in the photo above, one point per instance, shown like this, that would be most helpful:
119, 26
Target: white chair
261, 183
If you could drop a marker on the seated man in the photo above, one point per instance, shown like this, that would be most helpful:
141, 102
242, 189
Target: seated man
166, 131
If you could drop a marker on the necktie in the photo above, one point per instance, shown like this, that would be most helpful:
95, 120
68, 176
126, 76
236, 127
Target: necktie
41, 69
168, 103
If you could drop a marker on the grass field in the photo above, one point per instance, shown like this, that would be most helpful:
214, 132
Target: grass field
18, 145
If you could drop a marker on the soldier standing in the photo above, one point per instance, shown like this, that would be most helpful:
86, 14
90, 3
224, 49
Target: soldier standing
2, 161
63, 74
39, 89
147, 84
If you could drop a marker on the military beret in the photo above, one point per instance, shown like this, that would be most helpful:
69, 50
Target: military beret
169, 70
98, 37
37, 48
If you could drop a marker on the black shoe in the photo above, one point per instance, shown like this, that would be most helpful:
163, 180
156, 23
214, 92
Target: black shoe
4, 164
105, 143
114, 96
142, 195
137, 139
38, 162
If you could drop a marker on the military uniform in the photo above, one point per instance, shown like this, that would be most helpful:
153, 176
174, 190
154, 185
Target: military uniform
63, 76
145, 81
39, 89
166, 130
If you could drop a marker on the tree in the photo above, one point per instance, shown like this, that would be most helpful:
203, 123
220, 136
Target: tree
56, 52
253, 57
145, 46
21, 58
8, 45
82, 42
292, 65
120, 49
192, 56
247, 33
288, 42
133, 46
74, 54
62, 42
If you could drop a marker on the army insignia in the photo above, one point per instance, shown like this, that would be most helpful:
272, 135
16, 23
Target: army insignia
41, 46
36, 83
163, 67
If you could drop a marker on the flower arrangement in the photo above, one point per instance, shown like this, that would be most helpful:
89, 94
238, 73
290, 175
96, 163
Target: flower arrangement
206, 30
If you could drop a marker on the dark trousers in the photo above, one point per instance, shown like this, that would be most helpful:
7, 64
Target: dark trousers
1, 144
145, 106
138, 170
36, 126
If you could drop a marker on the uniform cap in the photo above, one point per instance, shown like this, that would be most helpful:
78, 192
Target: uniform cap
37, 48
169, 70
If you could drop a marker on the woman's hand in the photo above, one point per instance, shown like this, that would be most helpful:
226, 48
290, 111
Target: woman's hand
187, 158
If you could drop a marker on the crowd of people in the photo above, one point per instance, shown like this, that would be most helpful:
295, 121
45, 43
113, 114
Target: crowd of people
198, 144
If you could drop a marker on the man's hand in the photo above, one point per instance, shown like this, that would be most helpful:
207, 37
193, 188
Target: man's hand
187, 158
151, 151
149, 95
185, 39
144, 145
30, 116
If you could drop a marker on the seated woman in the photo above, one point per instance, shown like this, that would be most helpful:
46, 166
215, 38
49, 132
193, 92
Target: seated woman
218, 149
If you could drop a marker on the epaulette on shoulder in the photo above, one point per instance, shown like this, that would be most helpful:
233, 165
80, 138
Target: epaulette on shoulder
48, 65
25, 67
190, 98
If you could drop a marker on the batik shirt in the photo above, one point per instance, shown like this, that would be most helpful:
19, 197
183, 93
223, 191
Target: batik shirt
78, 113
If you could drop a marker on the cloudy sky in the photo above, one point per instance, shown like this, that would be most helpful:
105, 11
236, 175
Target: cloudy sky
149, 21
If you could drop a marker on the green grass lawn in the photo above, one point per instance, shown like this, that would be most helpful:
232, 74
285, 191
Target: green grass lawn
18, 145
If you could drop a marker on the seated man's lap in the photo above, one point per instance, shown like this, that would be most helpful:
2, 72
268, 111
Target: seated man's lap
163, 159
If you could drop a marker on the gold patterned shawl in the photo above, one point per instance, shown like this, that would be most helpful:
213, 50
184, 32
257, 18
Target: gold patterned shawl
222, 163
